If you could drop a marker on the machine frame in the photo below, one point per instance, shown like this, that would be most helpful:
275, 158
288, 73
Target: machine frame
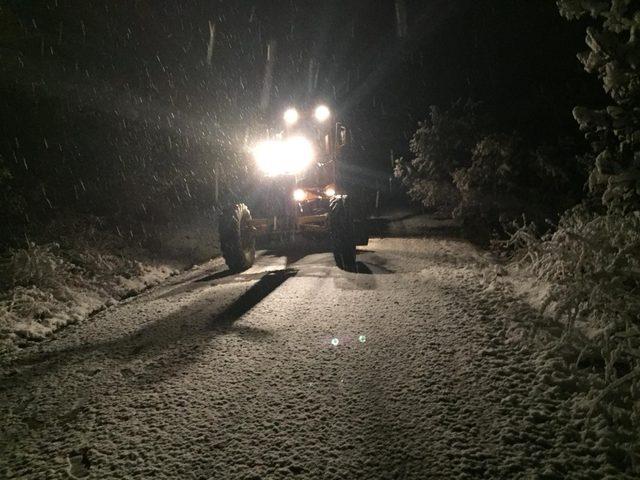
312, 203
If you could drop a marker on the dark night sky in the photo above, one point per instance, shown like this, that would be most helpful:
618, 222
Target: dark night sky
144, 61
516, 56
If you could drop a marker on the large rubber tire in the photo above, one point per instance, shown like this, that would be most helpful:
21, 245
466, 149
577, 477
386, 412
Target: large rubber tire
237, 239
342, 233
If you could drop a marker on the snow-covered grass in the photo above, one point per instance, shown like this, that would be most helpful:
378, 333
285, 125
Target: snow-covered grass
438, 386
584, 280
44, 287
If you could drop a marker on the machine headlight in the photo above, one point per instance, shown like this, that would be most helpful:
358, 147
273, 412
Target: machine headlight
299, 195
329, 191
322, 113
266, 154
284, 157
291, 116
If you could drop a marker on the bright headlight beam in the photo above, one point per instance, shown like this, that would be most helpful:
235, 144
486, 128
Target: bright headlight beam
266, 154
297, 155
283, 157
299, 195
322, 113
291, 116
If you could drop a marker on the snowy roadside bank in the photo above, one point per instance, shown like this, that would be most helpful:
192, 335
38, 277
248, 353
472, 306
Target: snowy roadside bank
45, 287
438, 364
76, 265
404, 222
571, 360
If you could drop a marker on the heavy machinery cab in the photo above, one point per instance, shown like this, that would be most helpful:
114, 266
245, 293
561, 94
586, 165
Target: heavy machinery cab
300, 191
321, 181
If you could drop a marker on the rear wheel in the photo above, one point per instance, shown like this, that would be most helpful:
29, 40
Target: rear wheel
342, 233
237, 238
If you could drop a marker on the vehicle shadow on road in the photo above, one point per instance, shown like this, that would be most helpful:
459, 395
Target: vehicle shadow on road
256, 293
363, 269
294, 255
370, 267
166, 344
216, 278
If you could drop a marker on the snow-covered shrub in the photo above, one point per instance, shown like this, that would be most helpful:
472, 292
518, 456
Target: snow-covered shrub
88, 245
592, 262
483, 178
505, 181
35, 264
40, 291
488, 186
46, 286
442, 144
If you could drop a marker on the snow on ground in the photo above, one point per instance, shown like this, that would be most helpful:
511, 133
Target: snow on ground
48, 287
296, 369
403, 222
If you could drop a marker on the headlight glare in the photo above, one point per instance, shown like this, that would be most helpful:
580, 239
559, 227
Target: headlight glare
266, 154
291, 116
283, 157
329, 191
322, 113
299, 195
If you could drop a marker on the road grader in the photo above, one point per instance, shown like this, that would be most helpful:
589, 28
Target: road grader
303, 173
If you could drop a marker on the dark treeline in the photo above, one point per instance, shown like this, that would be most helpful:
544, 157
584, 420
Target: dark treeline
111, 108
130, 110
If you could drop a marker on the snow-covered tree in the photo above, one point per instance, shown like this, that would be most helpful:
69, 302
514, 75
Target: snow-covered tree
462, 166
592, 260
442, 144
507, 179
613, 131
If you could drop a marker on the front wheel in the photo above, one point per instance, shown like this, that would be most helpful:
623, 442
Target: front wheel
342, 233
237, 238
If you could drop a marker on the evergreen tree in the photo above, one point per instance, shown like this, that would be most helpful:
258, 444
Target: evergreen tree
613, 131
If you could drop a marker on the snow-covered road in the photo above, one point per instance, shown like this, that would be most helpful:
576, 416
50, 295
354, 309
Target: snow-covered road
295, 369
